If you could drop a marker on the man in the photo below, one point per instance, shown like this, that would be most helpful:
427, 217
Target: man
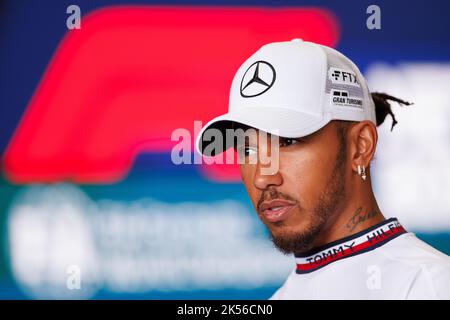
319, 204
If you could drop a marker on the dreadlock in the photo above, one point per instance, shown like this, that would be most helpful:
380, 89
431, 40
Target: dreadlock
383, 107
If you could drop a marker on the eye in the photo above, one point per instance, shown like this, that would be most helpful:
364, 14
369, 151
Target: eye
250, 151
285, 142
245, 151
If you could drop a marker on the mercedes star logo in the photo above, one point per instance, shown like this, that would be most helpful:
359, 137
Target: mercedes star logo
258, 78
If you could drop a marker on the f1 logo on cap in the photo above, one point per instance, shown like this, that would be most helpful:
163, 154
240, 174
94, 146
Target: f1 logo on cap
258, 78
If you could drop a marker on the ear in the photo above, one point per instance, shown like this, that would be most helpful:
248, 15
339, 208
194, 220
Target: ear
363, 137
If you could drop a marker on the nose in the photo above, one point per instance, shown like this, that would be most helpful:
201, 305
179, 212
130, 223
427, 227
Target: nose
262, 180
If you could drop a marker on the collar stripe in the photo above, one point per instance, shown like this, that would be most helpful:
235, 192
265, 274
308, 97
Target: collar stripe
361, 242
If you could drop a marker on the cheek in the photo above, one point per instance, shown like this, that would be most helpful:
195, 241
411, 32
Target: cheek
305, 174
247, 174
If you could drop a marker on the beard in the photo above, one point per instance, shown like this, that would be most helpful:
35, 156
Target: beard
325, 208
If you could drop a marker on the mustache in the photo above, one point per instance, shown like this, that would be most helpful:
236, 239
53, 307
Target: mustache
271, 194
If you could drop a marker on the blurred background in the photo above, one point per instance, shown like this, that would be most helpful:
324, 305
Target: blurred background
91, 205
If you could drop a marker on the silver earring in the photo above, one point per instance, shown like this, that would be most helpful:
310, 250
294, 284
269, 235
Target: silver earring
362, 172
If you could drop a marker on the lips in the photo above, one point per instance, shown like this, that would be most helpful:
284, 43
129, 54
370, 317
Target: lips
276, 210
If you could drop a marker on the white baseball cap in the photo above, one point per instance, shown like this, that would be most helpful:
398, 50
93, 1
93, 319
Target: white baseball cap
293, 89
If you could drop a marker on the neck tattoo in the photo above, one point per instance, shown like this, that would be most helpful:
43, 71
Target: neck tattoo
359, 218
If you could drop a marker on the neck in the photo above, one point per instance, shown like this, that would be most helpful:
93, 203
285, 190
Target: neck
359, 212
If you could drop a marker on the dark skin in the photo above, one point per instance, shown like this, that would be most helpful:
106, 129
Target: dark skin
327, 199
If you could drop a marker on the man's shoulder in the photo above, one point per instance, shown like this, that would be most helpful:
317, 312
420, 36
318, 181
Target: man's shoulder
408, 268
427, 269
409, 250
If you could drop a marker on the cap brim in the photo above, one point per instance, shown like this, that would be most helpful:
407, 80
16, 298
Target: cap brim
278, 121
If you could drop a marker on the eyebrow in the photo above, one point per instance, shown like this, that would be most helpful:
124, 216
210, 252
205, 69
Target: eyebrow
246, 142
301, 139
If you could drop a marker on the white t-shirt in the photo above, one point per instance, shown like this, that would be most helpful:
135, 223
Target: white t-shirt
381, 262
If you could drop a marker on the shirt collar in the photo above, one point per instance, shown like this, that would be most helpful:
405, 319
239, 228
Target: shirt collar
363, 241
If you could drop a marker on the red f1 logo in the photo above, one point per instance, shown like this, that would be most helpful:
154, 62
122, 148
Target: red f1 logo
121, 84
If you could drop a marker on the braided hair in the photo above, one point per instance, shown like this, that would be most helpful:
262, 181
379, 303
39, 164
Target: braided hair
383, 107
